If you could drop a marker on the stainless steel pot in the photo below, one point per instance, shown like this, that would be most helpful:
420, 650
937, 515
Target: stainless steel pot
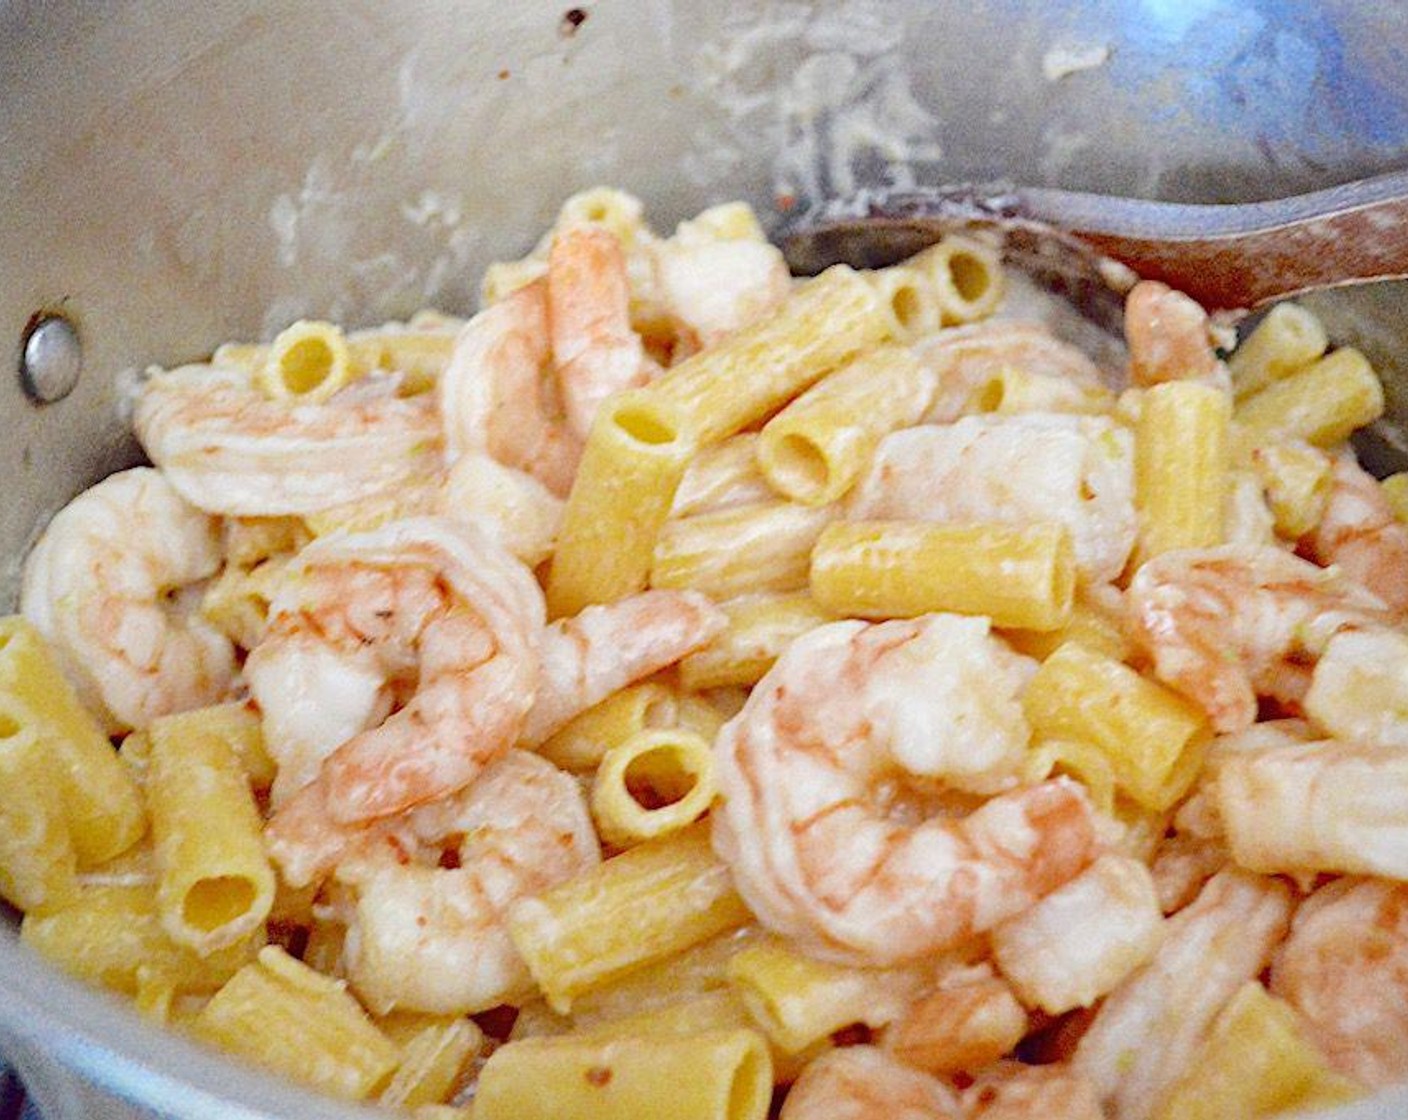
174, 175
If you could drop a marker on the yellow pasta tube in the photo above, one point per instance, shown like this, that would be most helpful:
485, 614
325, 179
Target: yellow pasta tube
634, 458
1021, 577
1395, 488
37, 860
1094, 626
753, 372
740, 551
653, 783
650, 902
280, 1013
799, 1001
966, 275
1288, 339
1086, 763
1323, 404
759, 628
1295, 478
503, 278
1154, 739
720, 1075
112, 936
723, 474
102, 803
419, 356
910, 301
215, 883
581, 744
1181, 464
1255, 1061
308, 361
814, 449
433, 1059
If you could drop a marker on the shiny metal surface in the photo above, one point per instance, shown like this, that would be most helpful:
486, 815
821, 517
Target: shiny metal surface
200, 172
51, 359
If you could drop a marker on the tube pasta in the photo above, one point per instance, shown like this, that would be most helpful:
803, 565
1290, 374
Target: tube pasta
1019, 577
720, 1075
654, 783
308, 361
1097, 627
215, 883
909, 299
1181, 464
1153, 738
633, 461
1395, 488
966, 275
113, 936
584, 741
1288, 339
814, 449
419, 356
751, 373
37, 860
1296, 480
281, 1014
433, 1058
741, 551
800, 1001
648, 903
101, 802
1322, 404
1012, 390
760, 627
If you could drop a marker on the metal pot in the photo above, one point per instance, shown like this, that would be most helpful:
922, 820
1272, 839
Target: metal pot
176, 175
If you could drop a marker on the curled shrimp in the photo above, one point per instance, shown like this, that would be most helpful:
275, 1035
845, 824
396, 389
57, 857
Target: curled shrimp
1017, 470
866, 1083
426, 604
1360, 533
1149, 1028
427, 937
227, 448
604, 648
1168, 336
830, 777
967, 359
1344, 967
107, 585
497, 399
1226, 625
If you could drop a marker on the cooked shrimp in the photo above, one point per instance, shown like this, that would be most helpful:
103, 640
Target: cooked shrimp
967, 359
1168, 337
1014, 1091
1017, 470
425, 600
426, 937
1360, 533
1226, 625
866, 1083
107, 585
593, 346
1149, 1028
498, 397
712, 287
830, 777
227, 448
1345, 969
604, 648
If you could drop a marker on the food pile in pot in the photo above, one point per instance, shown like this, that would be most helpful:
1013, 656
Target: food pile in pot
684, 689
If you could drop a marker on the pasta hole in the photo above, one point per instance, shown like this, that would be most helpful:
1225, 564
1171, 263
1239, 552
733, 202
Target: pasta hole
305, 365
908, 306
9, 726
655, 779
989, 398
800, 461
645, 426
217, 901
970, 275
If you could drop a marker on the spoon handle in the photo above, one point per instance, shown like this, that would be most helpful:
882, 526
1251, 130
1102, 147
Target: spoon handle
1247, 254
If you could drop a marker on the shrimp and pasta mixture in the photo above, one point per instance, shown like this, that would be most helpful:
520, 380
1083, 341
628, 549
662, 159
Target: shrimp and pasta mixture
684, 690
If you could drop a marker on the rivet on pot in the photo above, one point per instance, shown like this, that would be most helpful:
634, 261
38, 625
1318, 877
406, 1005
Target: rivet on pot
50, 359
